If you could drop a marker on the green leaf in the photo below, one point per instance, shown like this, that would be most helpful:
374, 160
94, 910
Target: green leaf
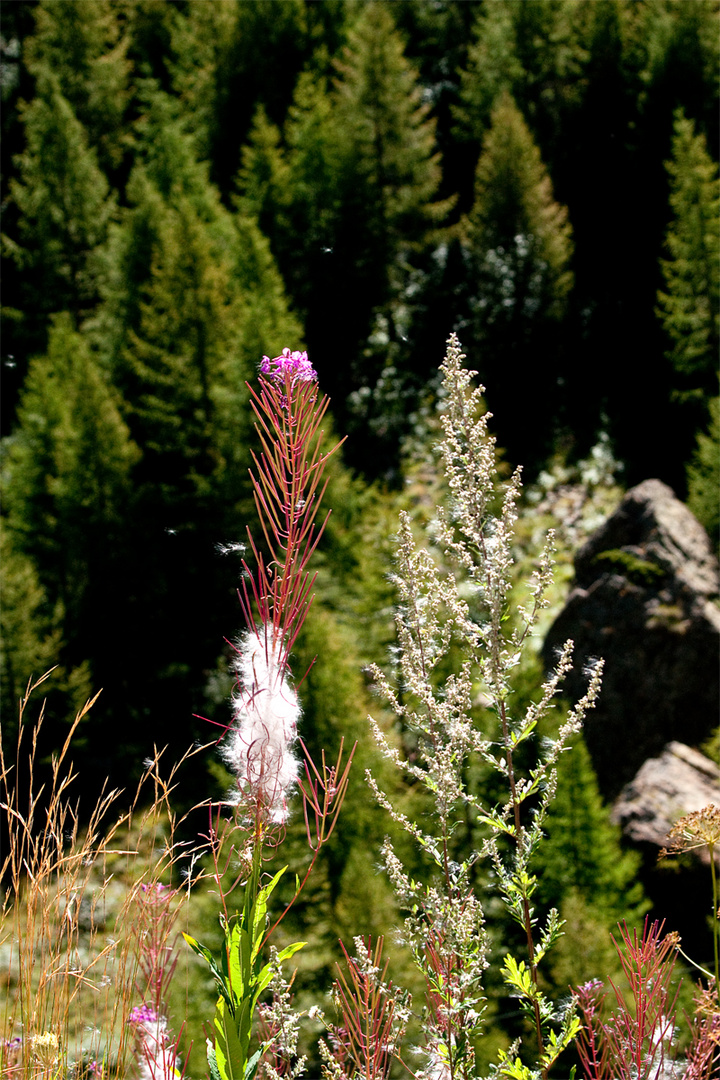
205, 953
252, 1065
230, 1053
513, 1068
233, 961
261, 982
518, 976
496, 823
516, 737
290, 950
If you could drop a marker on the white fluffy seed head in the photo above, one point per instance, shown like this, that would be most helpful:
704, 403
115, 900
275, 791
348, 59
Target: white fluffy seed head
267, 711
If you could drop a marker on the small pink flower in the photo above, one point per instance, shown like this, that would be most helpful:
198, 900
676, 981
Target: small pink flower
295, 364
143, 1014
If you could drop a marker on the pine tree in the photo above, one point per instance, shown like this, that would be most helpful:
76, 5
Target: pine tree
689, 306
535, 51
201, 39
582, 851
294, 184
262, 56
678, 46
67, 492
391, 137
31, 645
517, 246
388, 226
65, 206
703, 475
347, 198
82, 45
584, 872
492, 68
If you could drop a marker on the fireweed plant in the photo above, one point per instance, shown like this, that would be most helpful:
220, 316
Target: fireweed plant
259, 747
465, 612
632, 1043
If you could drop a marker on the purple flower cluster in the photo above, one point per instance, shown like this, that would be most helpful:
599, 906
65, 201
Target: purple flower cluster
295, 364
143, 1014
156, 891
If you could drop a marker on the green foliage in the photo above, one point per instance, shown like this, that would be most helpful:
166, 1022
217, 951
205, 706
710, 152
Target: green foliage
241, 977
585, 873
83, 46
703, 475
516, 235
517, 247
347, 194
582, 855
31, 642
689, 306
641, 571
68, 476
389, 137
64, 202
126, 462
535, 51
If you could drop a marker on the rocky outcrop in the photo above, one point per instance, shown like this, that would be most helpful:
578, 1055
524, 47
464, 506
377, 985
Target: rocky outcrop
678, 782
645, 600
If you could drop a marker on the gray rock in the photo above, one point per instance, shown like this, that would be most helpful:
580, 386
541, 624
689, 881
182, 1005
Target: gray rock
678, 782
645, 600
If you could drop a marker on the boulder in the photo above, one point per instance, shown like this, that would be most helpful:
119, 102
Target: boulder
678, 782
645, 600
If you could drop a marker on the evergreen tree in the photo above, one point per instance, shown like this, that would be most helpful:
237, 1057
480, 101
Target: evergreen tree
348, 205
582, 850
703, 475
67, 488
82, 45
689, 305
294, 186
31, 645
201, 40
390, 138
65, 206
678, 46
492, 68
68, 469
536, 51
265, 51
517, 246
584, 872
551, 49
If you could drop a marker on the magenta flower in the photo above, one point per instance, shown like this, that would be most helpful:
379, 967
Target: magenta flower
143, 1014
156, 1051
295, 364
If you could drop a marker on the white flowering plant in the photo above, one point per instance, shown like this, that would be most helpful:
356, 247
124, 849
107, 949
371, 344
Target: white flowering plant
462, 609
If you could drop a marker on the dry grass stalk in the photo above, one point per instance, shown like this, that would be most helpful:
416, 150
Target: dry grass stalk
70, 964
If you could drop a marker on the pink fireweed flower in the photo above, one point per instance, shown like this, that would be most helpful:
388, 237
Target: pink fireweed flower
157, 1053
259, 745
295, 364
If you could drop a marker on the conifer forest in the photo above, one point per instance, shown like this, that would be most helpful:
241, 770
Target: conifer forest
297, 775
